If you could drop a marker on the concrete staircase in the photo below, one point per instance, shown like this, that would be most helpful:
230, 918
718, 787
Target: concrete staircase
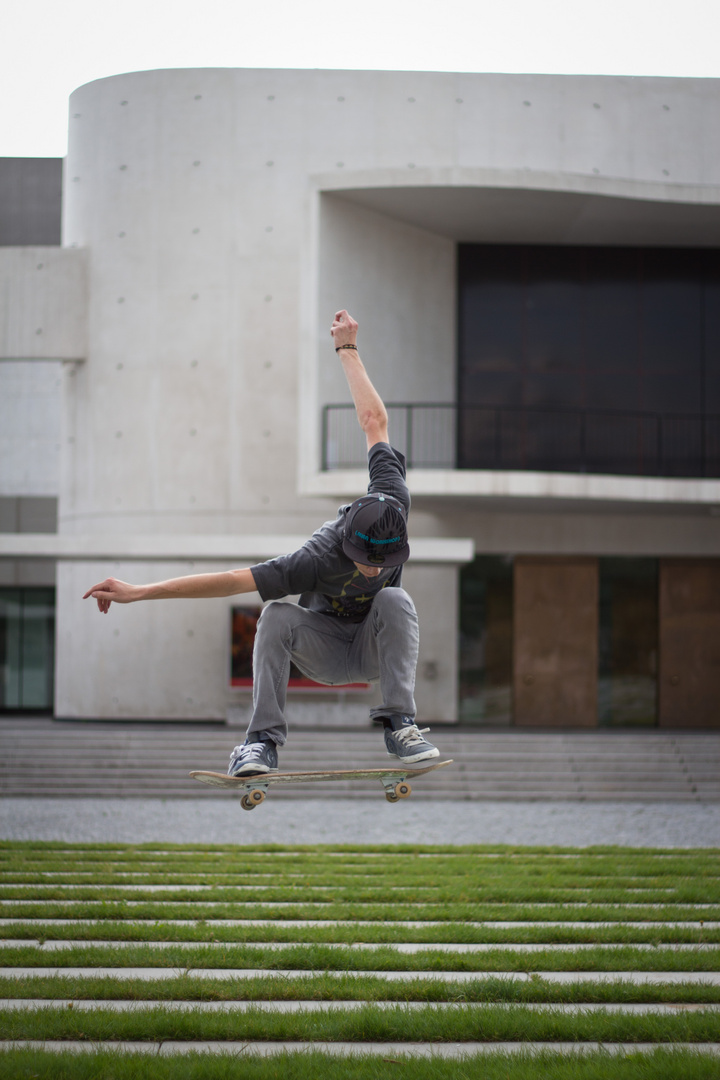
42, 757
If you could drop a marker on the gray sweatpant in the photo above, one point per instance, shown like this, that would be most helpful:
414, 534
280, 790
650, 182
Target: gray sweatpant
335, 651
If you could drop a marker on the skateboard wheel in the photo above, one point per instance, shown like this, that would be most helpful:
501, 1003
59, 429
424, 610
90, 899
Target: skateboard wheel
402, 790
252, 799
391, 796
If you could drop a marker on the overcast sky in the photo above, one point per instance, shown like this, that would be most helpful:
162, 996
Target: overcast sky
47, 49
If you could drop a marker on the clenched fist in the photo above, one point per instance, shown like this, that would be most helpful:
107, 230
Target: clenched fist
344, 329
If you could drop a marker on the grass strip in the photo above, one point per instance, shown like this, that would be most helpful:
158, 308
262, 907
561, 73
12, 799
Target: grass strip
342, 987
318, 957
385, 851
450, 932
662, 1063
495, 868
499, 870
658, 872
473, 894
458, 1023
199, 909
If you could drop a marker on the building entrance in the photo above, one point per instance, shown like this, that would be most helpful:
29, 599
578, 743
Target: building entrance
582, 642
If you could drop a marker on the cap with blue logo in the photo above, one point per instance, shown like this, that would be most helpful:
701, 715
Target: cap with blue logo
376, 531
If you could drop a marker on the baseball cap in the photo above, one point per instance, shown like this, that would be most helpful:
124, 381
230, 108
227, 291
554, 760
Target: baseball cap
376, 531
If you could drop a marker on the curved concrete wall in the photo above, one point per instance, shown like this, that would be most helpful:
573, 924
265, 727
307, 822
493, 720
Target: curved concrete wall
226, 214
193, 191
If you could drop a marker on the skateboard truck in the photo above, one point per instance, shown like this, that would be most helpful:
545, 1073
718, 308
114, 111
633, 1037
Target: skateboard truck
393, 792
253, 798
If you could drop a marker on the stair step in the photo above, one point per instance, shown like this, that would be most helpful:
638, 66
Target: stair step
140, 759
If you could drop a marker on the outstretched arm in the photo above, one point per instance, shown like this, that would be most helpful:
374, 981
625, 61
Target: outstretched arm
371, 412
194, 586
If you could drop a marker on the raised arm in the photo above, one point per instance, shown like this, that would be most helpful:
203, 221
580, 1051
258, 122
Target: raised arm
371, 412
194, 586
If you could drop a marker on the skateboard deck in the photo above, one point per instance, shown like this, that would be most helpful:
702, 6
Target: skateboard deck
254, 788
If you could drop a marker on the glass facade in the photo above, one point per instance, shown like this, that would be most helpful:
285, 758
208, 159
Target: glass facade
486, 628
585, 359
27, 649
628, 642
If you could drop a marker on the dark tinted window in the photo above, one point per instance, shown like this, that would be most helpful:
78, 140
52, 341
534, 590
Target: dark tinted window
589, 359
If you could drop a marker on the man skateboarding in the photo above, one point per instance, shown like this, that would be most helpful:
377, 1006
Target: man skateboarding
353, 622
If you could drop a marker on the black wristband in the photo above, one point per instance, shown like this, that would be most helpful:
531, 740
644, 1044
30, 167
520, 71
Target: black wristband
339, 347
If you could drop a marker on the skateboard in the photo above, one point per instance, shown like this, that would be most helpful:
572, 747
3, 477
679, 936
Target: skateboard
254, 788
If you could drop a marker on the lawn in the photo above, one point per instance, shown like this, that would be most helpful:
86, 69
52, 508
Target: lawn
478, 952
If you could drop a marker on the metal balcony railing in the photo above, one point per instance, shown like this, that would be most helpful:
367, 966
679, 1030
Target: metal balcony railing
453, 436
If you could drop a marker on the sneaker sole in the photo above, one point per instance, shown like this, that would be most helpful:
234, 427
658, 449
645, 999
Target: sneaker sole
422, 756
262, 770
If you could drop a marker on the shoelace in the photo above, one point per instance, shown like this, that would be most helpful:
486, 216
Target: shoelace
410, 736
249, 751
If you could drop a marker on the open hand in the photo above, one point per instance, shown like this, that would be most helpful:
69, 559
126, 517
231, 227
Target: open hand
111, 589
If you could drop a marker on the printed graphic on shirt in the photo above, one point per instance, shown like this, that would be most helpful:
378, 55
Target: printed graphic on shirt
356, 596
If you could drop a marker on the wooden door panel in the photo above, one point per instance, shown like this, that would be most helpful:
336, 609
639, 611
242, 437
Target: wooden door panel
689, 686
555, 642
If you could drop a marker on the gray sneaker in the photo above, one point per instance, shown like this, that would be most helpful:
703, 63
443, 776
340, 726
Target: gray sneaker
404, 740
253, 758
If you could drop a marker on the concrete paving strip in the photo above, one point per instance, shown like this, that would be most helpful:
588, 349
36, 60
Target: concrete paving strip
301, 887
699, 924
159, 869
69, 902
191, 873
165, 853
205, 887
635, 978
408, 948
573, 1009
383, 1050
583, 904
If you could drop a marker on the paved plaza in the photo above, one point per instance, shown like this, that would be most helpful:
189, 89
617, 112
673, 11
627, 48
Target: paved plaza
221, 820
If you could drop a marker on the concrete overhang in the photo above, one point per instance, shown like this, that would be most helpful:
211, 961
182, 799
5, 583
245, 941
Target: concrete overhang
525, 206
507, 488
228, 549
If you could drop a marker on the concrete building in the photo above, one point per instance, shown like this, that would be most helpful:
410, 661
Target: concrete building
534, 264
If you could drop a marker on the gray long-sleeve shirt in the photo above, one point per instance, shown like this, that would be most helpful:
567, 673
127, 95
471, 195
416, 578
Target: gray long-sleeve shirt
327, 580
